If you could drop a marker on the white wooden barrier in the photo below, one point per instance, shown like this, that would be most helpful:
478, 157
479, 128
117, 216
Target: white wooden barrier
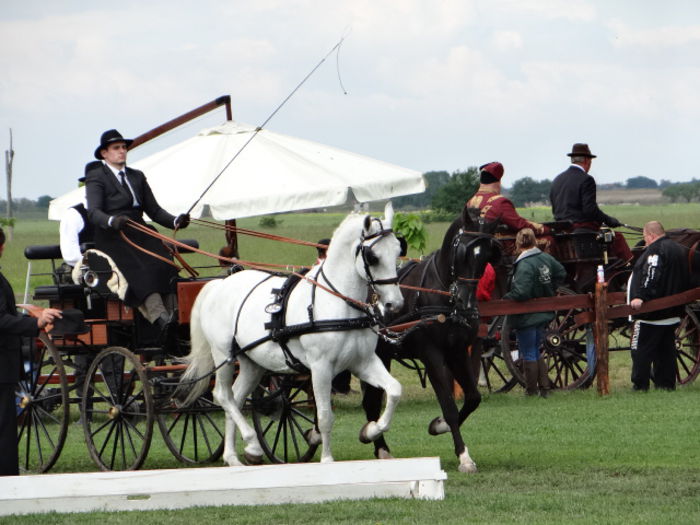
419, 478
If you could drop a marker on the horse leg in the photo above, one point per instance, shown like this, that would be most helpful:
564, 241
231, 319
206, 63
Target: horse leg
221, 393
249, 376
321, 377
375, 373
372, 405
441, 379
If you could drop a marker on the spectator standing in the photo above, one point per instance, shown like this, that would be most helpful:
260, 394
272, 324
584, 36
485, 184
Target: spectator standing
13, 327
661, 270
536, 274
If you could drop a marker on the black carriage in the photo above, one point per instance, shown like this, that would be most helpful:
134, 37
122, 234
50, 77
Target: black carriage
116, 376
568, 347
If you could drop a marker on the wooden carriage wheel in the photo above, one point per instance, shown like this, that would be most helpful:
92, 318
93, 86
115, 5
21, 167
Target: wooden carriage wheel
688, 346
42, 407
119, 424
567, 348
494, 369
194, 434
284, 412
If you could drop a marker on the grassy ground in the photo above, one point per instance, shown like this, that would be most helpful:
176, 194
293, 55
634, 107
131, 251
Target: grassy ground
577, 457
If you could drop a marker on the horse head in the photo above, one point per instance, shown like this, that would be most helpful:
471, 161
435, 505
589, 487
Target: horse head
472, 247
376, 253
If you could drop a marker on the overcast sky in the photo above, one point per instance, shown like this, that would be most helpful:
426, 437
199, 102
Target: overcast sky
431, 85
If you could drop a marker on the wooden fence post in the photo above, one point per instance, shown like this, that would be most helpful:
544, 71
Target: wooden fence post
600, 329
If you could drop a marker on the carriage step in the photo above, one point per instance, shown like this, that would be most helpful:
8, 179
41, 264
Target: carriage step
410, 478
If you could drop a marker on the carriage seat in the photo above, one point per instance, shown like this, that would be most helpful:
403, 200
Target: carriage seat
59, 292
35, 253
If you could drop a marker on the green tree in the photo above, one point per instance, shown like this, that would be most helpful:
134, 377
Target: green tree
641, 182
527, 190
452, 196
434, 180
43, 201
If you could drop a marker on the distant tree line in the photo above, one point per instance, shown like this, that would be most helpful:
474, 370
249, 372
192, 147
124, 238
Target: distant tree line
27, 205
683, 192
450, 191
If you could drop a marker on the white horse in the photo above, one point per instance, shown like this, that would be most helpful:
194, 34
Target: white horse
362, 250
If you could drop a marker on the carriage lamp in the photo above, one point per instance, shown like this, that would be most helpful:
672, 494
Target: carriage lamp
91, 279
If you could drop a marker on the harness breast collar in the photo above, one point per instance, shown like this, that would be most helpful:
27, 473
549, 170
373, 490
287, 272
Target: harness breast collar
281, 333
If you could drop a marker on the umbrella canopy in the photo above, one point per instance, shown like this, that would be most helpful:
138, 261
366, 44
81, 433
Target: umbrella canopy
274, 173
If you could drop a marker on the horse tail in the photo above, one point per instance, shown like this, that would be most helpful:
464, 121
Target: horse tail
200, 363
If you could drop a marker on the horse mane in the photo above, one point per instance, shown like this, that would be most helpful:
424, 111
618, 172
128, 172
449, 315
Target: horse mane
346, 233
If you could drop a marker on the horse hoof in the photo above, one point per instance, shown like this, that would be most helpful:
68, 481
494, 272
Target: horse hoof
383, 453
252, 459
312, 437
468, 468
438, 426
364, 433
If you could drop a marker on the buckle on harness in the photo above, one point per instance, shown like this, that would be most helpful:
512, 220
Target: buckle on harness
273, 308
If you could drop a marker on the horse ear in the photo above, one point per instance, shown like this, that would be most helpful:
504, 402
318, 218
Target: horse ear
467, 213
389, 215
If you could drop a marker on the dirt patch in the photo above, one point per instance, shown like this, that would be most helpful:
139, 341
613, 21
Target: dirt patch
624, 196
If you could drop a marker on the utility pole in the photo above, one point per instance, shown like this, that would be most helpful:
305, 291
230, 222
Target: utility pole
9, 156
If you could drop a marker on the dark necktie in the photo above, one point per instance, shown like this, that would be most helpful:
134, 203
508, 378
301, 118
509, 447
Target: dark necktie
123, 180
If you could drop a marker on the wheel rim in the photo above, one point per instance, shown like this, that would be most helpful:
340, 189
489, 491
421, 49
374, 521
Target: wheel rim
43, 409
688, 347
194, 434
119, 423
283, 412
567, 348
499, 378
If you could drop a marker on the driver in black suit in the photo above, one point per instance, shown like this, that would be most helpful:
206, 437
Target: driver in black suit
116, 193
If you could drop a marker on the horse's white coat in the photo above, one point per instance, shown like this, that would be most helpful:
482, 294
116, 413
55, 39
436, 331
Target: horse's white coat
325, 354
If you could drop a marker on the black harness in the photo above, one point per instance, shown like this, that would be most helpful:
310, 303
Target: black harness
281, 333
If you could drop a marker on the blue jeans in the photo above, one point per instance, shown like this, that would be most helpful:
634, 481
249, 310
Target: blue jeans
529, 341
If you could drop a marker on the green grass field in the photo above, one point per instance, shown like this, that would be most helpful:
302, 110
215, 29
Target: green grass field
574, 458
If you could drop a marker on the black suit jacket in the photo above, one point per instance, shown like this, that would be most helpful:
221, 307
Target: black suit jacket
12, 327
573, 198
107, 198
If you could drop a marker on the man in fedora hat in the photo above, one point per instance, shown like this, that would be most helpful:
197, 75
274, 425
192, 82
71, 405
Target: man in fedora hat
573, 198
117, 194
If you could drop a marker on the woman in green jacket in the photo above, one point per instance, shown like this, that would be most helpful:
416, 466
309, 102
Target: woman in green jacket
536, 274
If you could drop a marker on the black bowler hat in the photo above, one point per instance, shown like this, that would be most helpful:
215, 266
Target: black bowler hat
108, 137
581, 150
72, 323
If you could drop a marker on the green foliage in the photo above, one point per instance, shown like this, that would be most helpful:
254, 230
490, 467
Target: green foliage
641, 182
268, 221
43, 201
684, 192
5, 221
411, 227
527, 190
434, 180
453, 195
437, 215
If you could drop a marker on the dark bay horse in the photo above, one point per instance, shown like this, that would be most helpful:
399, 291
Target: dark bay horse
454, 270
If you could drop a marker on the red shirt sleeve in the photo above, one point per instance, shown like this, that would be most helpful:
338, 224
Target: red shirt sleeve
486, 284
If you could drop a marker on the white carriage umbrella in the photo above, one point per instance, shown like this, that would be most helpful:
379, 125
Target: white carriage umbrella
274, 173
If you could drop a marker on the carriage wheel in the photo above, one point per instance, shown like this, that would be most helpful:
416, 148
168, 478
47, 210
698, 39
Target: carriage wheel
283, 412
494, 369
194, 434
119, 424
566, 348
42, 407
688, 347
